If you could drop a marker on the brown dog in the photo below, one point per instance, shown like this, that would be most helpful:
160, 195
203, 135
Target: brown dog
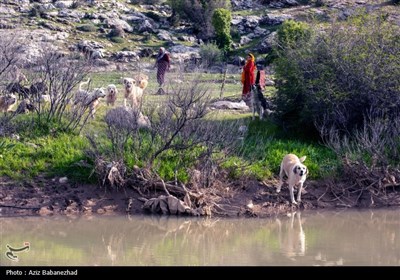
296, 172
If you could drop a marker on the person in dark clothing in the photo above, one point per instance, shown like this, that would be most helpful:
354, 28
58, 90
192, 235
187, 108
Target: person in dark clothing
163, 65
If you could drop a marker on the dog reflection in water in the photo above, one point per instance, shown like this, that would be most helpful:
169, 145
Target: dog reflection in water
292, 239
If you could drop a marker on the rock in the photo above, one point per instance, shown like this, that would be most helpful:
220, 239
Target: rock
63, 180
269, 82
64, 4
126, 56
230, 105
267, 43
45, 211
146, 26
245, 40
164, 35
72, 15
275, 19
251, 22
118, 23
7, 12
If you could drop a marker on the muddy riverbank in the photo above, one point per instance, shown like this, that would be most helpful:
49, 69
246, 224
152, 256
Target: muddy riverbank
248, 198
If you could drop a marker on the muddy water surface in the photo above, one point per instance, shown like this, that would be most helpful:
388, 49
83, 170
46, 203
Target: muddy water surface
307, 238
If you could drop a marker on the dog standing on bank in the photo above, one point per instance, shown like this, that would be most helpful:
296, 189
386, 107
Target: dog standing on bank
296, 173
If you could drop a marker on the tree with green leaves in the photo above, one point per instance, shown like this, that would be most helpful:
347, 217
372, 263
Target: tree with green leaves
221, 21
199, 13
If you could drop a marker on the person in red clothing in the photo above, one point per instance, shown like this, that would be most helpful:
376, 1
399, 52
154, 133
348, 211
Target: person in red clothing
248, 77
163, 64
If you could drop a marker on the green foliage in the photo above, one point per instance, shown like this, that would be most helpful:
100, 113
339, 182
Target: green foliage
263, 152
210, 54
117, 40
199, 13
87, 28
47, 154
221, 21
336, 77
291, 33
320, 3
235, 34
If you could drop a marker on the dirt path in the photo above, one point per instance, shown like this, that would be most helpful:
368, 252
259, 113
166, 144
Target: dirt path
241, 199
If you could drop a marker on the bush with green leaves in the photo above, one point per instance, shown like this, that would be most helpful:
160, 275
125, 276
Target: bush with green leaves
181, 137
337, 76
199, 13
87, 28
210, 54
221, 21
117, 40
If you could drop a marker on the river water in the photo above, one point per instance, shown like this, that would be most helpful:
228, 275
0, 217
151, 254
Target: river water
370, 238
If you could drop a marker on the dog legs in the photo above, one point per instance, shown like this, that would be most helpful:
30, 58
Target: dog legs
291, 187
299, 192
281, 174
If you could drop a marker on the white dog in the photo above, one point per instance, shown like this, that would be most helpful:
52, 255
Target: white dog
134, 90
85, 98
7, 102
296, 172
111, 96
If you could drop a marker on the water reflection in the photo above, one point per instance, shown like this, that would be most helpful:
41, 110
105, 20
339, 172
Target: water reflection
308, 238
292, 239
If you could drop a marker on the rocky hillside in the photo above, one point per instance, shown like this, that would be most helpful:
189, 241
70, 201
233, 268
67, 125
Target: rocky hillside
118, 32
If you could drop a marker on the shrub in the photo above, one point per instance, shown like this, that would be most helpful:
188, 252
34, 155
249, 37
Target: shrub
180, 137
87, 28
210, 54
221, 21
37, 11
117, 31
199, 13
76, 4
320, 3
338, 76
117, 40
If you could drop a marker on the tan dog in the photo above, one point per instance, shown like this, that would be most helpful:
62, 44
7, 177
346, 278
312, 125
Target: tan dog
296, 172
134, 90
111, 96
7, 102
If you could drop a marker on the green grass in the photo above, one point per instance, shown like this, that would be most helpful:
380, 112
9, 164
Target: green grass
45, 155
57, 154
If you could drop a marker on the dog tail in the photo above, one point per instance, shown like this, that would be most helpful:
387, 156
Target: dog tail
303, 158
83, 83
